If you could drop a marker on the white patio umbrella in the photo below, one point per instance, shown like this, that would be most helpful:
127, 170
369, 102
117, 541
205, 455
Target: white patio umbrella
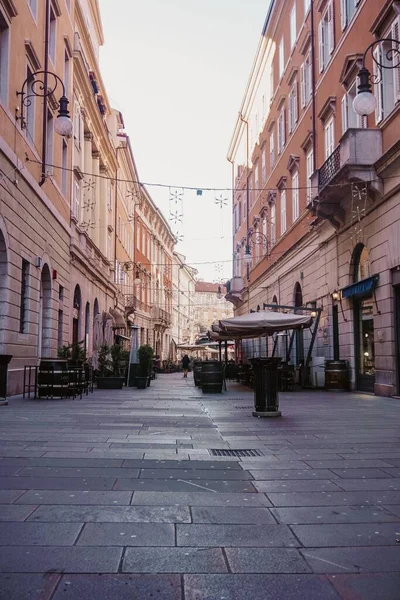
265, 322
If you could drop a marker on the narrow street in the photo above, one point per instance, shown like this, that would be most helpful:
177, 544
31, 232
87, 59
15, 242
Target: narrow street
117, 496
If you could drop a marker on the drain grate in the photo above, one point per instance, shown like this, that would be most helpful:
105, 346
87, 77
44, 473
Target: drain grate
238, 453
244, 407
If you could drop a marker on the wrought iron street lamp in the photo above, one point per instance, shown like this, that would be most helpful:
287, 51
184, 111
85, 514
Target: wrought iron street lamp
37, 84
257, 237
365, 101
130, 266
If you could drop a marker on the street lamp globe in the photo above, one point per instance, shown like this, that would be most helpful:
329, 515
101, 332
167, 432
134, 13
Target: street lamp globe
364, 103
247, 254
137, 280
219, 293
63, 126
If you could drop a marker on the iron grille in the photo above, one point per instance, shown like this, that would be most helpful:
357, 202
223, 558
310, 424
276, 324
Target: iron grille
244, 407
329, 169
238, 453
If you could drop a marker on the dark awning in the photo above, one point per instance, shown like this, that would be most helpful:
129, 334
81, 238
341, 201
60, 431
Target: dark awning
360, 288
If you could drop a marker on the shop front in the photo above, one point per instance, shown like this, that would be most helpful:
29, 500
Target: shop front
362, 295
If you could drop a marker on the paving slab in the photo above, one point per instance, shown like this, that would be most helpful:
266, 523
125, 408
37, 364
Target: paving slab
349, 534
174, 560
360, 473
9, 496
121, 587
196, 499
109, 514
59, 559
369, 484
199, 473
231, 514
64, 462
184, 485
296, 485
14, 512
268, 474
28, 587
262, 560
367, 586
238, 535
74, 497
83, 472
57, 483
383, 559
334, 498
212, 463
127, 534
34, 534
335, 514
255, 587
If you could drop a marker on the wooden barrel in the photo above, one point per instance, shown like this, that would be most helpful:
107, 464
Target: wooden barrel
53, 378
212, 376
336, 375
197, 373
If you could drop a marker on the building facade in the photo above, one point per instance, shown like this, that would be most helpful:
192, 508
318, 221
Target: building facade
209, 305
315, 205
80, 238
183, 282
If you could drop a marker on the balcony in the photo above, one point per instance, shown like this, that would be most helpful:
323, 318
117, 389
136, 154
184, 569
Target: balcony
234, 289
348, 172
161, 317
131, 304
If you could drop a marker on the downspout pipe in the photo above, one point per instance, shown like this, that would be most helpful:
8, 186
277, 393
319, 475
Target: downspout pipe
45, 101
313, 100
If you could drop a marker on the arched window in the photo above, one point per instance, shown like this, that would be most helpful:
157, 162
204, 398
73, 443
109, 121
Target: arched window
360, 263
76, 315
3, 280
45, 316
298, 302
298, 295
275, 301
87, 326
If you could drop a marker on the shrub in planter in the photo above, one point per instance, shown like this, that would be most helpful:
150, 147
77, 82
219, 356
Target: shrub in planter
109, 362
145, 355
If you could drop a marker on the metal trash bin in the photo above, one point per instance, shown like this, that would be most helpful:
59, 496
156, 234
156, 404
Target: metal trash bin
4, 362
266, 383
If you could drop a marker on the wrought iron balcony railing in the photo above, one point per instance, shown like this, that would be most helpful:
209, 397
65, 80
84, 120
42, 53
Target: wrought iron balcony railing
329, 169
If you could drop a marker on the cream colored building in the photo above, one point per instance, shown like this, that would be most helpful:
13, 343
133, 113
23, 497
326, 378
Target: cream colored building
209, 305
183, 300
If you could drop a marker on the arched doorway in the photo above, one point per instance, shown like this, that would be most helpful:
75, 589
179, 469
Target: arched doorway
87, 326
45, 314
363, 310
3, 282
299, 338
76, 315
96, 309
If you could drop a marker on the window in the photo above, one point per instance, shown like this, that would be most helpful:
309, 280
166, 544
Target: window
293, 28
309, 172
49, 142
60, 328
23, 309
30, 112
33, 6
109, 246
295, 196
350, 119
109, 196
256, 181
326, 36
78, 124
347, 11
76, 200
293, 107
263, 165
307, 4
61, 293
329, 130
265, 234
64, 163
271, 150
306, 80
239, 206
281, 58
273, 225
283, 211
4, 60
271, 83
52, 36
67, 72
281, 130
387, 90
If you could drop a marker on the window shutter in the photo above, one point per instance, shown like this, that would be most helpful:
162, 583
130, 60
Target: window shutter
378, 87
302, 86
321, 45
295, 106
343, 13
395, 34
345, 108
290, 112
331, 28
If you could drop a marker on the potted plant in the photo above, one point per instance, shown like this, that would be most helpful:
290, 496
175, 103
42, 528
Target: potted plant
145, 355
109, 362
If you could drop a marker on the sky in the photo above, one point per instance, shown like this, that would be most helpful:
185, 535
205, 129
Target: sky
177, 71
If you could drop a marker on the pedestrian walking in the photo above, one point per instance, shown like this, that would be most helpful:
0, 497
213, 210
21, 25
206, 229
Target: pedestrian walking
185, 365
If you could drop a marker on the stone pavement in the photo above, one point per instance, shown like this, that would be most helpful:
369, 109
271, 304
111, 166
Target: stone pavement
117, 497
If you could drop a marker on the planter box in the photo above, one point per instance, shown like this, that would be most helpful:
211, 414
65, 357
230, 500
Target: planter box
110, 383
141, 382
